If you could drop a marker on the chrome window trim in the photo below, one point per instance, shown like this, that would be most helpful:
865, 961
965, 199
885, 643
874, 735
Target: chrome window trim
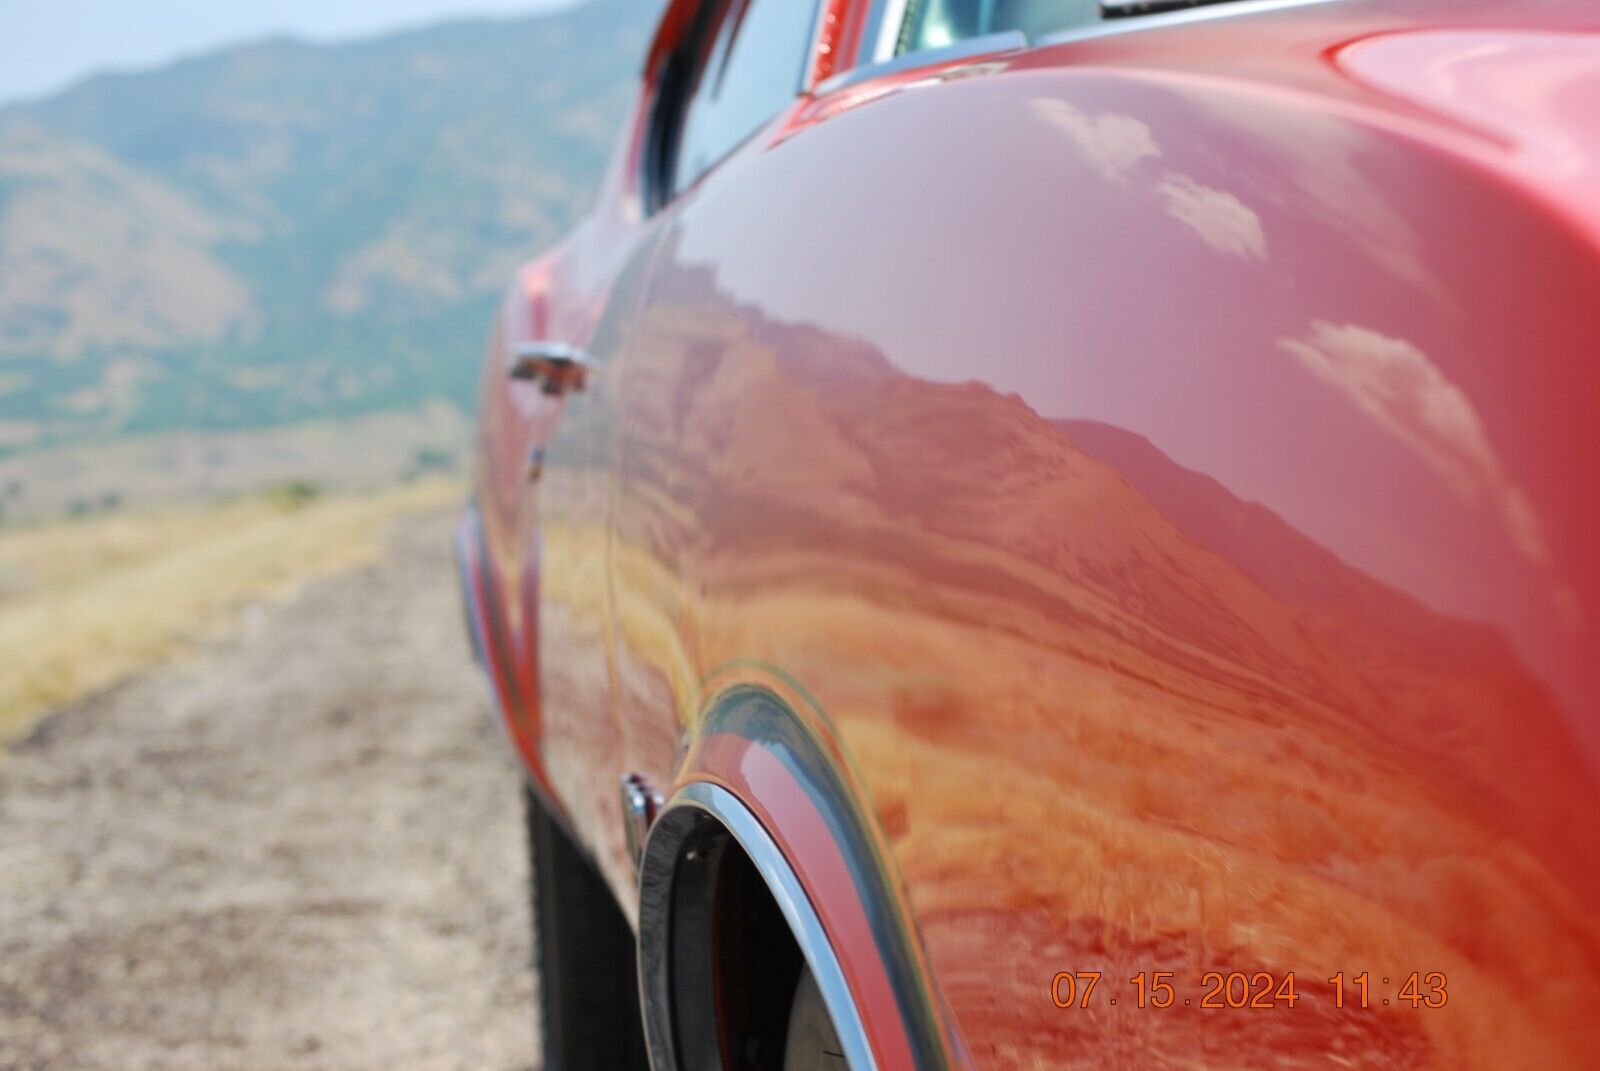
1222, 9
894, 17
787, 892
885, 61
991, 44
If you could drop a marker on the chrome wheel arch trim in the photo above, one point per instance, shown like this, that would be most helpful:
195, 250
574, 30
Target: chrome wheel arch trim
689, 807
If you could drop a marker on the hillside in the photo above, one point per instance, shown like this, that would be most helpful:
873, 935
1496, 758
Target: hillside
284, 231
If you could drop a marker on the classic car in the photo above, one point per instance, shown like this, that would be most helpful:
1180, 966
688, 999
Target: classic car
1026, 533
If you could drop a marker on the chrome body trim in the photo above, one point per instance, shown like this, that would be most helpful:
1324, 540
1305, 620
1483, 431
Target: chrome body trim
990, 44
640, 805
556, 367
703, 800
1161, 20
886, 62
894, 17
461, 541
525, 354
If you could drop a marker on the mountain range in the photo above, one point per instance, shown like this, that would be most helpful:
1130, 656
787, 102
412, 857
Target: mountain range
286, 231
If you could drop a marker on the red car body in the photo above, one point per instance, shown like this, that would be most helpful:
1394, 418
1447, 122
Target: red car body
1124, 505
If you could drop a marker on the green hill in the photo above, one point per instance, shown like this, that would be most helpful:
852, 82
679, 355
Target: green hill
285, 231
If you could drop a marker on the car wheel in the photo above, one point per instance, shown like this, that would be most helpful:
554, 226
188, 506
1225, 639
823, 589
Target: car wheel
812, 1044
584, 954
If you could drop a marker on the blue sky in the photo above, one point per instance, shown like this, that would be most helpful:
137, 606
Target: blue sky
48, 44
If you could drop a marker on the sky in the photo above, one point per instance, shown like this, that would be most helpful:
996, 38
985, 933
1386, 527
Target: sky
46, 45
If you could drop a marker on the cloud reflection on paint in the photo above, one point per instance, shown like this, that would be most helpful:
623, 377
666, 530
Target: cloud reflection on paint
1114, 144
1223, 221
1404, 392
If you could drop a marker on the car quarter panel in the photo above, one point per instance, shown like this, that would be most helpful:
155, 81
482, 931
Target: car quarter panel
1177, 494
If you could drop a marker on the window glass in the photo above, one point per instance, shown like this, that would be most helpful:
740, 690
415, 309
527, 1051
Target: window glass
937, 23
753, 71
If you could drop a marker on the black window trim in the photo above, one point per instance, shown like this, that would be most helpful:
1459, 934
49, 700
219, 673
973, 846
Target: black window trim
666, 110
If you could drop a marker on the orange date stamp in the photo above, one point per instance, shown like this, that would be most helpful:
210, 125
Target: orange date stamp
1238, 990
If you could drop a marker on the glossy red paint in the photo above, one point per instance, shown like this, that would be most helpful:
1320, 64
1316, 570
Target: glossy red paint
1530, 91
1167, 462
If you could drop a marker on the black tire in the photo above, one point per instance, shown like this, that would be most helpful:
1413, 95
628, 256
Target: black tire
584, 953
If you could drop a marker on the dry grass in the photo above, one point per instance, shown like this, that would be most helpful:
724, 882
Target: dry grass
85, 603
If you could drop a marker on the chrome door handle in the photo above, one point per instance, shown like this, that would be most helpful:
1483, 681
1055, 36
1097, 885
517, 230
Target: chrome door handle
558, 367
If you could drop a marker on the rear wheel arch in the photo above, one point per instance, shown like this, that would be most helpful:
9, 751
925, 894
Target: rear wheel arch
765, 788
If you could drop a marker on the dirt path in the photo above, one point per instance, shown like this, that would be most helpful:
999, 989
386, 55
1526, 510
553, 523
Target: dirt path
299, 849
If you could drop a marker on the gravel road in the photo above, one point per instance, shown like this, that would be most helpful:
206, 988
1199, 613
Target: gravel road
300, 848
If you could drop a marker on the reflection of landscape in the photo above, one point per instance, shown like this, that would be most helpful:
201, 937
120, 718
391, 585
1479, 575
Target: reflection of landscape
1113, 718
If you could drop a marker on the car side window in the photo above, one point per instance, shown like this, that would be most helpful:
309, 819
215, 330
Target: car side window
753, 56
929, 24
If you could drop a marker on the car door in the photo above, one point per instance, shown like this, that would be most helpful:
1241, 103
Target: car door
545, 462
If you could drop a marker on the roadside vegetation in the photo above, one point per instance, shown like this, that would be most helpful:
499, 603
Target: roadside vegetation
84, 602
